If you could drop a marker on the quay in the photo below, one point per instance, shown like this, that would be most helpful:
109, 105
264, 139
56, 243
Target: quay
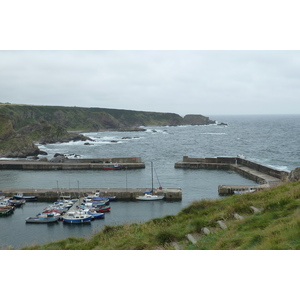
62, 163
265, 176
50, 195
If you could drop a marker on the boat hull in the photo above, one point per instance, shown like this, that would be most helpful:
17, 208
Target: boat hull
6, 211
41, 220
150, 197
77, 220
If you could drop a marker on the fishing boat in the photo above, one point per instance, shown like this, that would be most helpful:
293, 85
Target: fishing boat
5, 202
97, 197
48, 210
20, 196
94, 214
6, 210
249, 190
43, 218
112, 167
98, 208
148, 196
76, 218
16, 203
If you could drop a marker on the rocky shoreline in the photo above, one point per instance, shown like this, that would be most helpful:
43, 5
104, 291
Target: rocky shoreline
24, 126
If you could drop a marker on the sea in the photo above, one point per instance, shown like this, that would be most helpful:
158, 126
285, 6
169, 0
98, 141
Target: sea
272, 140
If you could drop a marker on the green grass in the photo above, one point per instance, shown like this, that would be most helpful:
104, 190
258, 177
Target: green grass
276, 227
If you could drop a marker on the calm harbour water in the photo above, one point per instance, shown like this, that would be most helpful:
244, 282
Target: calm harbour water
270, 140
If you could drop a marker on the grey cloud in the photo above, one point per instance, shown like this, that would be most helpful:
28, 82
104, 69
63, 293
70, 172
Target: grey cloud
205, 82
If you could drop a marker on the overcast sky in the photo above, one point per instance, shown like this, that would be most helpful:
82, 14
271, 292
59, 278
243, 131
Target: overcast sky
183, 82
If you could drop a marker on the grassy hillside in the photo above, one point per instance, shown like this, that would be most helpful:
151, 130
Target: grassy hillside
85, 119
276, 226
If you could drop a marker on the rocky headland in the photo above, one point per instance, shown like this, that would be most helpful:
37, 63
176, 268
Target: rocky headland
24, 126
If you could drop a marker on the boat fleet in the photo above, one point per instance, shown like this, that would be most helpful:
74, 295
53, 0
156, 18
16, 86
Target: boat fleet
8, 204
73, 211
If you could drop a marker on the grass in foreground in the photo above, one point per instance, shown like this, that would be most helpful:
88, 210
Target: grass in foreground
277, 226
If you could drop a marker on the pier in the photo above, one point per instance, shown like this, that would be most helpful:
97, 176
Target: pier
265, 176
171, 194
62, 163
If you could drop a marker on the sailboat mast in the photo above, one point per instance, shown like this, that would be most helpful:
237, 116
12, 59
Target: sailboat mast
152, 175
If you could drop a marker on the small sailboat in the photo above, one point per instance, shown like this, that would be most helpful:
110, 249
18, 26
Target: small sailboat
149, 196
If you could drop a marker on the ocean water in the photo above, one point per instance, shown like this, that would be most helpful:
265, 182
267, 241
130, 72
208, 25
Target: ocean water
269, 140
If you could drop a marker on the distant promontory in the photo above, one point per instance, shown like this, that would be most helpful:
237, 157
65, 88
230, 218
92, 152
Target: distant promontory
21, 126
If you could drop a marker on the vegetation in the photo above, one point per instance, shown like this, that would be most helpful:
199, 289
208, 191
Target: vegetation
49, 124
87, 119
276, 227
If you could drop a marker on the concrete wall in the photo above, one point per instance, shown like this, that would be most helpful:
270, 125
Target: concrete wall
120, 160
282, 175
230, 162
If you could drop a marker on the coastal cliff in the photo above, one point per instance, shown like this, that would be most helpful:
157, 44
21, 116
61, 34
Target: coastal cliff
13, 144
24, 125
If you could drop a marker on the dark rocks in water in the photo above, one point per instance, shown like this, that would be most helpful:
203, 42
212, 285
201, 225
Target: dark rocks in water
131, 129
222, 124
58, 159
294, 175
58, 154
87, 143
43, 152
44, 159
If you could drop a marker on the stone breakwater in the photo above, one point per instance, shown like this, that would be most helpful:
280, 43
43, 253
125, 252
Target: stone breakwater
171, 194
265, 176
74, 164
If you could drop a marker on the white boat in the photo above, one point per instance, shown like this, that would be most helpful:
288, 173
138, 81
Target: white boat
76, 218
249, 190
149, 196
46, 218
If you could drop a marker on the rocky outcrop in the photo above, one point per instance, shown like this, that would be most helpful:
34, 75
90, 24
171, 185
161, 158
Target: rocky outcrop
197, 120
294, 175
12, 144
45, 132
21, 144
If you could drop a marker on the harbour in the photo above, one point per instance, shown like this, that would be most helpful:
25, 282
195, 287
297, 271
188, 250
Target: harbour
268, 141
265, 176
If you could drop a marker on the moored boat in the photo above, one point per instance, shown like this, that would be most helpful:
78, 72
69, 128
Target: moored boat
6, 210
76, 218
149, 197
249, 190
112, 167
44, 218
93, 213
98, 208
16, 203
21, 196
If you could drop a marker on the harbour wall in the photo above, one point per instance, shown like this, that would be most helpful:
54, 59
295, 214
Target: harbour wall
265, 176
50, 195
234, 164
73, 164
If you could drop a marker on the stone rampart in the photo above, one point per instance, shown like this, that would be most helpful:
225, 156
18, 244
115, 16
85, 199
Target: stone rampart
282, 175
